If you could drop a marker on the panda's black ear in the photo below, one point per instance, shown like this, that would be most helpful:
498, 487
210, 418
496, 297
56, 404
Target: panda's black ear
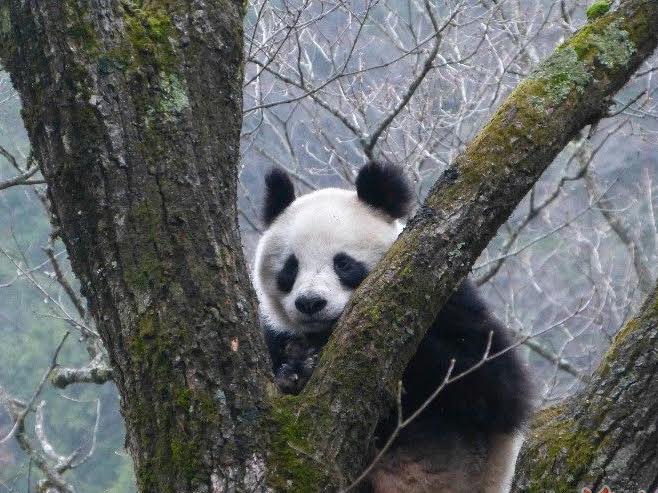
385, 187
279, 194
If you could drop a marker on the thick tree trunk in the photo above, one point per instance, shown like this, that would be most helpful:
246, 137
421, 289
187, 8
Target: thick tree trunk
133, 111
606, 434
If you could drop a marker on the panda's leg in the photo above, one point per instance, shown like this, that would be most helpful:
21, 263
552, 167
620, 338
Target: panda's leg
501, 462
402, 472
432, 456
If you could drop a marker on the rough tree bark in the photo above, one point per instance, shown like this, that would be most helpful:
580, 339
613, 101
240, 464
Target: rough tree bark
607, 433
133, 111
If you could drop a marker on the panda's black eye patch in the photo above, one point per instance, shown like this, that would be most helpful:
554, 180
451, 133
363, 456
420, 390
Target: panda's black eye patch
286, 276
350, 272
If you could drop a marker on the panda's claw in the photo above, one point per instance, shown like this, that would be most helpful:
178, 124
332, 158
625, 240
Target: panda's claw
289, 379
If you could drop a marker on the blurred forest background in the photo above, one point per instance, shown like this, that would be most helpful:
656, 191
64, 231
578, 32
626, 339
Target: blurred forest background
329, 84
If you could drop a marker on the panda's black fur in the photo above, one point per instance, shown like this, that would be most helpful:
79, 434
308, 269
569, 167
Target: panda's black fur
491, 401
280, 194
384, 187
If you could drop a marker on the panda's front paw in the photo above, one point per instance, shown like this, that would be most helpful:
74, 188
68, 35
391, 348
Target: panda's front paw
290, 378
308, 364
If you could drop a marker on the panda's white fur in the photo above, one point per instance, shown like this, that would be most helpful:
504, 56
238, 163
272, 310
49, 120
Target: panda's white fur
466, 440
315, 227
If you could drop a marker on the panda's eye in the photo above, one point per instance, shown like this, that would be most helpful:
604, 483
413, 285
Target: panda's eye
342, 261
350, 272
285, 279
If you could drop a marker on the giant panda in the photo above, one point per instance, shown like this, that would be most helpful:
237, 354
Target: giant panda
315, 251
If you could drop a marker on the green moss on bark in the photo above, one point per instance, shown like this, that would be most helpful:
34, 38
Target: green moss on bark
6, 42
149, 33
527, 117
148, 55
5, 20
560, 447
80, 28
613, 351
606, 41
174, 96
290, 464
559, 75
597, 9
146, 271
178, 438
614, 46
145, 275
646, 322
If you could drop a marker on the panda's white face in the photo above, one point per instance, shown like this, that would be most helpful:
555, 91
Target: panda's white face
314, 254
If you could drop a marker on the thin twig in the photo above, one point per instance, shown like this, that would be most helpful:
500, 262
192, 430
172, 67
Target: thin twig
28, 406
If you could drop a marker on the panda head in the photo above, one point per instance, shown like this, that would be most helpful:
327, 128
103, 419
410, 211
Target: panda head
319, 247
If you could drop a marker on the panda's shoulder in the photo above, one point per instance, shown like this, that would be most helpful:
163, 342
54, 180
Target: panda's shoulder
466, 314
467, 299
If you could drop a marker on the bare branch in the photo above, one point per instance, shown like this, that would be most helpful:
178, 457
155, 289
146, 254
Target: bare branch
27, 407
59, 275
97, 371
22, 179
411, 90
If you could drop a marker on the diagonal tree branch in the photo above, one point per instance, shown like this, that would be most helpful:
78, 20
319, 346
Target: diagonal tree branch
22, 179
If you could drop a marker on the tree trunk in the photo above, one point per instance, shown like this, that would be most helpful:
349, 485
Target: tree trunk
133, 111
607, 433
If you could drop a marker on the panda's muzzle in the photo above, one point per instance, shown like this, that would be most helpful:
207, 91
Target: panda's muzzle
310, 305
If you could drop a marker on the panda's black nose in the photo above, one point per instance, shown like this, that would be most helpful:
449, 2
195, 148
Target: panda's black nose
310, 305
